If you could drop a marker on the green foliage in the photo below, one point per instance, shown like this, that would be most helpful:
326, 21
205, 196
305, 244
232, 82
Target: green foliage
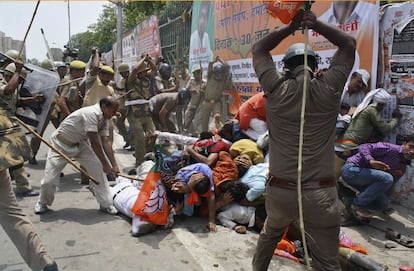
102, 34
137, 11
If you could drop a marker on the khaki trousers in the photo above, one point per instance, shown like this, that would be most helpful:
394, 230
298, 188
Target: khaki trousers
19, 175
205, 112
140, 127
85, 156
19, 228
321, 219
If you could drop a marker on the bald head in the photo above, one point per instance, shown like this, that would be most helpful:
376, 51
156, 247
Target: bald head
109, 106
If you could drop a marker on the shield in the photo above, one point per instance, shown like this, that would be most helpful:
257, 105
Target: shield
39, 81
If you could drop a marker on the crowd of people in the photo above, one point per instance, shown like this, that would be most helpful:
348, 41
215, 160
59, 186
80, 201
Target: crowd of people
241, 172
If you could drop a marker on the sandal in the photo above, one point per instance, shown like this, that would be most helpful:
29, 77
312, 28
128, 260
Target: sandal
399, 238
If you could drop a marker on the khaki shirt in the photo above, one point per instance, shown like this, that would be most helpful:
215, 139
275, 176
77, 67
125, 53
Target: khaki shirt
197, 91
283, 104
73, 94
95, 91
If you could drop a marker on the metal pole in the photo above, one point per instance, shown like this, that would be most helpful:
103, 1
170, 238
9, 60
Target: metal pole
119, 32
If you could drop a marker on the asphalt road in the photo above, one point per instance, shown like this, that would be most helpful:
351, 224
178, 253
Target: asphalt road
80, 237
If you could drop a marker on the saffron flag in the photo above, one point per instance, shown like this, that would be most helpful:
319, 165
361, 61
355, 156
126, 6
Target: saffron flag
151, 204
285, 11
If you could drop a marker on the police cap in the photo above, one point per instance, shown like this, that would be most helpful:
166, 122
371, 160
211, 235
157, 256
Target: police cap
77, 65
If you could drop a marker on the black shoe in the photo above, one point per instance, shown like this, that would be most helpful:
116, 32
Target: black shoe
33, 161
51, 267
126, 145
31, 193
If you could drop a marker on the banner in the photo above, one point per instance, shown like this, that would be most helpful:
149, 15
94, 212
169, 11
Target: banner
239, 24
147, 35
202, 34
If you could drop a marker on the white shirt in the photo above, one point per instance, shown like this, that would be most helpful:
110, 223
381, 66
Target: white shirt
76, 126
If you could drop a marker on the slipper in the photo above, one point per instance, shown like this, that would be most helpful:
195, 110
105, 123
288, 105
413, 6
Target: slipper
399, 238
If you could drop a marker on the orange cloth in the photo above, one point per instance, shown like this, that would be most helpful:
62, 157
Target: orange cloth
224, 170
254, 107
193, 197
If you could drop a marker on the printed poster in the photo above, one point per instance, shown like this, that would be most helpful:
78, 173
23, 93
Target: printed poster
238, 24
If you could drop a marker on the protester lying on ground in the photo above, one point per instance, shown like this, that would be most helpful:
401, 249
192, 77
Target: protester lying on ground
236, 216
206, 150
124, 195
373, 170
195, 182
249, 148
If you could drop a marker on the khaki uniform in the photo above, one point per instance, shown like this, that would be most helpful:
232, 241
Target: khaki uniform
212, 101
320, 198
197, 95
164, 102
120, 122
139, 117
161, 84
71, 138
14, 150
95, 91
17, 172
73, 93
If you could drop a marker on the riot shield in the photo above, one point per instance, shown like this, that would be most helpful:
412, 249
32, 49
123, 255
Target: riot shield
39, 81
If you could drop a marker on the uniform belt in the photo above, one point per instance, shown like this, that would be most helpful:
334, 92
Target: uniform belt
309, 184
62, 139
345, 141
120, 190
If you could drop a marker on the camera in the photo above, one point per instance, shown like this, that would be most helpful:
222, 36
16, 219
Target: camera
70, 52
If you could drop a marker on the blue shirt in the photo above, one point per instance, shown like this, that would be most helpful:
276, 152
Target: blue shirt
185, 173
255, 178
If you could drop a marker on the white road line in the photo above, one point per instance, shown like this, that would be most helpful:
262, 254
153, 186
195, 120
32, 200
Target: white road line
201, 255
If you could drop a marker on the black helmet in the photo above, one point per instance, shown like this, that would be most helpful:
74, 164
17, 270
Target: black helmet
218, 68
218, 71
183, 95
165, 71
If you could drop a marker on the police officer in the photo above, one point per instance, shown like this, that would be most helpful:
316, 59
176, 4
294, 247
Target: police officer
217, 81
8, 93
14, 222
163, 104
123, 70
164, 82
138, 113
73, 90
197, 87
98, 80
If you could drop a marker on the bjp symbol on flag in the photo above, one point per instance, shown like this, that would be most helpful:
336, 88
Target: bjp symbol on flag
151, 204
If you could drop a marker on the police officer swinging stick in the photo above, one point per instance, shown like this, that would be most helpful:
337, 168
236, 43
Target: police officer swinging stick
286, 18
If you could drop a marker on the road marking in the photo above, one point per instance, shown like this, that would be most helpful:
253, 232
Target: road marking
201, 255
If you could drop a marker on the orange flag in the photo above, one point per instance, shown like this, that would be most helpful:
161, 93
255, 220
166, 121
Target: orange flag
152, 204
284, 10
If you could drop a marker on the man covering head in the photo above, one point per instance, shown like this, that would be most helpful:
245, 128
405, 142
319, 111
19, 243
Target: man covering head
374, 97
